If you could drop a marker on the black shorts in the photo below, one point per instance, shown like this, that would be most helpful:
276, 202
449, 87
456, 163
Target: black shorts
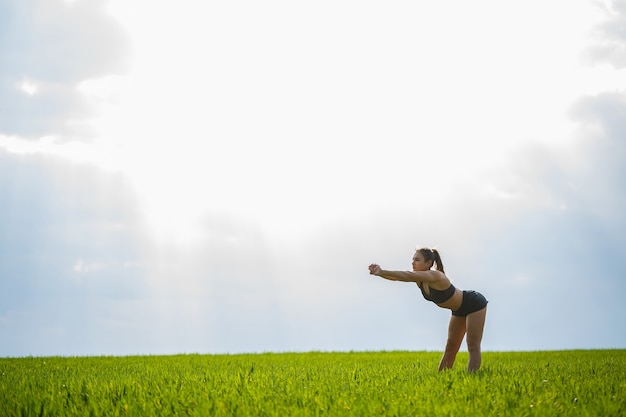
473, 301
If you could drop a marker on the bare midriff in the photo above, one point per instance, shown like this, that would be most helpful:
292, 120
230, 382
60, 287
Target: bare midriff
453, 303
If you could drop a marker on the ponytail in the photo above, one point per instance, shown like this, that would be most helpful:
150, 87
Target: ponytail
432, 255
438, 264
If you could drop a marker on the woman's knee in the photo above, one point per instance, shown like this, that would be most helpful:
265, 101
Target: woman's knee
473, 345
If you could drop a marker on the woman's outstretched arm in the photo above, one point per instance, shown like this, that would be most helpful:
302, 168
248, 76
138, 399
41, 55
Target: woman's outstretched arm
405, 276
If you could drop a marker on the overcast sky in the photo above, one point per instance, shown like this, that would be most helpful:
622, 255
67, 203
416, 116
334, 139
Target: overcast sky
215, 177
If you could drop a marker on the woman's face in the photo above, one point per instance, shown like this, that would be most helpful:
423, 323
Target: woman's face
419, 264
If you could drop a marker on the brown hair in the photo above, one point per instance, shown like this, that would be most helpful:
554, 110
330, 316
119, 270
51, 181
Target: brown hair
432, 255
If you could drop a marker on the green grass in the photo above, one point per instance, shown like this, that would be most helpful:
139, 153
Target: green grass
575, 383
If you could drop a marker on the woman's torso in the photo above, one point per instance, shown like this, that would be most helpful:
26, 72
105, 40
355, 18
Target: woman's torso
442, 285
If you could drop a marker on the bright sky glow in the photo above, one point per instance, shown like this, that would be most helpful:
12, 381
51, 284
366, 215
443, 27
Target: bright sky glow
259, 110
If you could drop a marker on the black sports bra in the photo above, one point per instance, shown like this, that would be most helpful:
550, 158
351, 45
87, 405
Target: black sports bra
438, 296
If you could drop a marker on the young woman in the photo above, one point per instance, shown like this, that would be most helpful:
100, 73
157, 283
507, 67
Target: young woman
469, 308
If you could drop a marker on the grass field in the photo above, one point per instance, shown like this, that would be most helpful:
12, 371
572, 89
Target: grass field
571, 383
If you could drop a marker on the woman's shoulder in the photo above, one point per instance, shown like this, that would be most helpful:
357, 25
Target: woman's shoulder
440, 280
432, 275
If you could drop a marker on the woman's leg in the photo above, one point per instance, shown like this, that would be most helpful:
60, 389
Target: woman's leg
456, 331
475, 326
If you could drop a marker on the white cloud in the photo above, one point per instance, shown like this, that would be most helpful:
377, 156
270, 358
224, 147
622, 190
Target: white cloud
29, 87
610, 45
84, 267
49, 47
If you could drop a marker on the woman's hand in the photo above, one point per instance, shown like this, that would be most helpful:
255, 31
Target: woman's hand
374, 269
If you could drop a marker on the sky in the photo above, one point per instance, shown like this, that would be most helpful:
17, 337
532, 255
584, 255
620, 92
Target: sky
215, 177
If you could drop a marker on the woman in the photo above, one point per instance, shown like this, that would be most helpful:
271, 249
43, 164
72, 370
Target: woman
469, 308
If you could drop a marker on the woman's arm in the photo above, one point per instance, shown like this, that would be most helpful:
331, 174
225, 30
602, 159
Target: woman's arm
405, 276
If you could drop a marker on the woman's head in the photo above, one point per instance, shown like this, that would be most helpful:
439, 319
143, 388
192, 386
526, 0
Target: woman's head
432, 256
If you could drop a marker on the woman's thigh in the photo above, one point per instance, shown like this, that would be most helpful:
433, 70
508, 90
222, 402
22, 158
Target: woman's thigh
475, 323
